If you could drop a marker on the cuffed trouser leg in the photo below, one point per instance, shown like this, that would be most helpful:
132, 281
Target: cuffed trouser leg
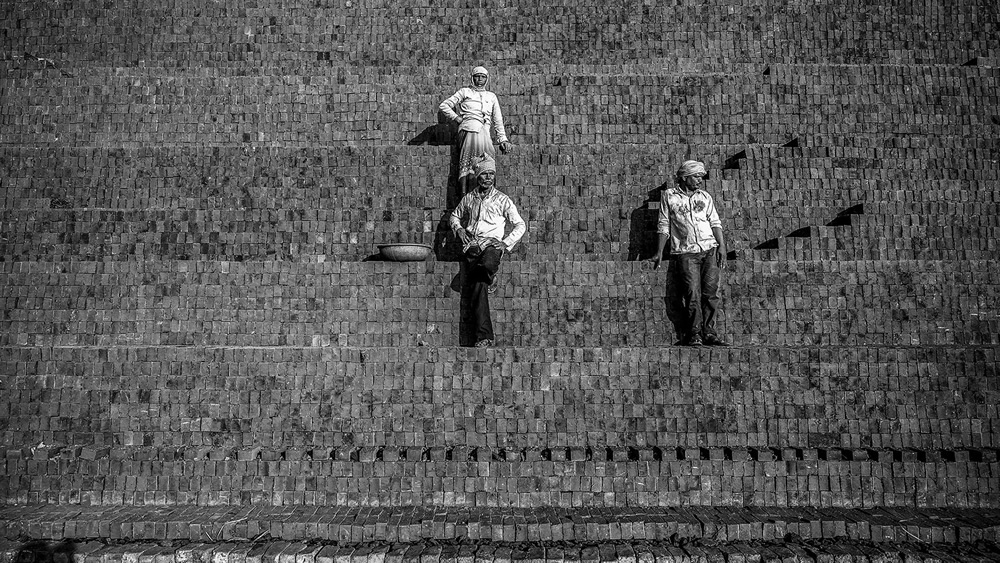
482, 269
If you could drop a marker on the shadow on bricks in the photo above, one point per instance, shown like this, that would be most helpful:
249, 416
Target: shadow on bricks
642, 228
672, 297
466, 326
444, 133
46, 552
447, 247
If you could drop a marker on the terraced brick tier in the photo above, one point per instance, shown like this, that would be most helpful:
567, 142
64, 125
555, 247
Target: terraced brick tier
582, 203
504, 427
136, 108
507, 398
825, 477
567, 232
478, 528
297, 33
201, 362
867, 239
639, 551
539, 303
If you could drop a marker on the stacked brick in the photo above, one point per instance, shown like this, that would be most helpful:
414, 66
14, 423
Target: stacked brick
581, 304
193, 315
583, 203
136, 108
292, 34
514, 427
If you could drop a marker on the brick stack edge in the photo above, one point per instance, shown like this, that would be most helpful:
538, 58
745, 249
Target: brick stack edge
192, 193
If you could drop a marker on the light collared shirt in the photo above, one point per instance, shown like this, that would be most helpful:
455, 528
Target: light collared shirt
475, 109
486, 216
688, 218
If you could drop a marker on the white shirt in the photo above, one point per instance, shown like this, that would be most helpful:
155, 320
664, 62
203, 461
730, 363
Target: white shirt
486, 216
688, 218
475, 109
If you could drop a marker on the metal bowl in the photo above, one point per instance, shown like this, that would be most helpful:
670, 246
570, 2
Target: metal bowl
404, 252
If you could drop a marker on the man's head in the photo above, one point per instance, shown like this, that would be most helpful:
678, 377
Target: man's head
486, 172
691, 175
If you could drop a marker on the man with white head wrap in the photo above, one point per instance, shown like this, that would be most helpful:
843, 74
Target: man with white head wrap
480, 221
689, 222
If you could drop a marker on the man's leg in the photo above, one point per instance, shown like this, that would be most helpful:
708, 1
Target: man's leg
482, 269
711, 278
489, 263
690, 274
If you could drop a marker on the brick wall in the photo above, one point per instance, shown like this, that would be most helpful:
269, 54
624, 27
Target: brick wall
193, 195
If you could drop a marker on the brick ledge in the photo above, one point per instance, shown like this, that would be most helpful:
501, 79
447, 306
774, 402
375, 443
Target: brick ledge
410, 524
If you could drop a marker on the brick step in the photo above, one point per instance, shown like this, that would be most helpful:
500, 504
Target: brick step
435, 72
869, 241
431, 74
230, 165
171, 403
556, 477
560, 79
194, 111
539, 303
215, 177
467, 551
567, 232
881, 249
823, 198
304, 34
577, 234
276, 534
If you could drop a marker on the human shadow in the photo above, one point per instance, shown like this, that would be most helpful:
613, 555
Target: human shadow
438, 135
642, 227
444, 133
466, 324
40, 551
447, 247
673, 298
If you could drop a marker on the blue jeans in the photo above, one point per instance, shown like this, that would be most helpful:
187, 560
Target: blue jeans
700, 278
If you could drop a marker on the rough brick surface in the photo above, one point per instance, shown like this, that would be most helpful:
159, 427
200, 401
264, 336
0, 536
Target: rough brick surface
202, 358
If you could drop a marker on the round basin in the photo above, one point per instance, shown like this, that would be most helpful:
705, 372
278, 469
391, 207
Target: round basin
404, 252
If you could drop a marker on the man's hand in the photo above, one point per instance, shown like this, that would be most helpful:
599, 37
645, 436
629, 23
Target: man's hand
656, 261
495, 243
720, 258
463, 236
506, 146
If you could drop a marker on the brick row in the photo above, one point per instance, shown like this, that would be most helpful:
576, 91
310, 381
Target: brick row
640, 551
580, 234
633, 401
225, 529
297, 33
301, 112
539, 303
501, 484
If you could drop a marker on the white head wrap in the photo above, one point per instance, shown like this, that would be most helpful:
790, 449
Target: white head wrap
481, 70
485, 164
691, 168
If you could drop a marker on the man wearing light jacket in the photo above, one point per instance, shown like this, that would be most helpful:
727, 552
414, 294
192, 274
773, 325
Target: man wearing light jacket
690, 223
480, 221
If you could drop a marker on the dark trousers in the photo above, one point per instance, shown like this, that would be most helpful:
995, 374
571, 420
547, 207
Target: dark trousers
700, 279
482, 268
